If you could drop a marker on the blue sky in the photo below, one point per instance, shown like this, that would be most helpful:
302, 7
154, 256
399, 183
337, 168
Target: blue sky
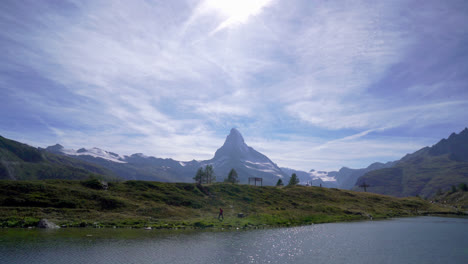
311, 84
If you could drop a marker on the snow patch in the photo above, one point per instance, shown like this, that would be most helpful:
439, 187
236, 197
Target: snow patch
96, 153
265, 170
261, 164
322, 175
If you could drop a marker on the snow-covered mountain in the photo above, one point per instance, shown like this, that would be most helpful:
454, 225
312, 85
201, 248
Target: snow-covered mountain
93, 152
234, 154
134, 167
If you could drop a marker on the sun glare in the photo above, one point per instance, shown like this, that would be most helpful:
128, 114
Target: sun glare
236, 11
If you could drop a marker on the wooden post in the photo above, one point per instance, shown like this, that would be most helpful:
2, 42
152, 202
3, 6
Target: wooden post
364, 185
255, 179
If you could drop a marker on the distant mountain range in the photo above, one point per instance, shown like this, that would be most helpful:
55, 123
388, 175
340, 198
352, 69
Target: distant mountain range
420, 173
425, 171
234, 153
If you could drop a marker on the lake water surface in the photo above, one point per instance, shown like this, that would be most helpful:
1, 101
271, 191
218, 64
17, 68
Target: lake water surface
403, 240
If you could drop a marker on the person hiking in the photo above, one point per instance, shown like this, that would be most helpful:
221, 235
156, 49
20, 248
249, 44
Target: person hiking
220, 214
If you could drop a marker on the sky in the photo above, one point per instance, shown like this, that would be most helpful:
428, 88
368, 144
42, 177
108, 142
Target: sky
311, 84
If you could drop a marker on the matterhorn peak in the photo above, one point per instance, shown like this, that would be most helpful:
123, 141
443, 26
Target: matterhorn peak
235, 137
233, 146
236, 154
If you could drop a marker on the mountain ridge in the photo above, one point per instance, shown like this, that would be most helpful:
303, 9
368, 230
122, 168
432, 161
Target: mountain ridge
425, 171
234, 153
20, 161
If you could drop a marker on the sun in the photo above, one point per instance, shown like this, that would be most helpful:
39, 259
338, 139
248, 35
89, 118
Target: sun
236, 11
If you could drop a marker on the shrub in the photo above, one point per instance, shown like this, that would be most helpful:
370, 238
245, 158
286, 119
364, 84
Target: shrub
93, 183
110, 203
463, 187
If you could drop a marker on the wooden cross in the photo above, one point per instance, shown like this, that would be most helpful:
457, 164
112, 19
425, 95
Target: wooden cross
364, 185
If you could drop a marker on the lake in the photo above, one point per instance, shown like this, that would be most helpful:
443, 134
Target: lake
402, 240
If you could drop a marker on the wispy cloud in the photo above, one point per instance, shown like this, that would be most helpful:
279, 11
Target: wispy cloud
336, 115
308, 153
309, 81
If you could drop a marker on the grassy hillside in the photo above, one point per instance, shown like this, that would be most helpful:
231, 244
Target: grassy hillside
166, 205
19, 161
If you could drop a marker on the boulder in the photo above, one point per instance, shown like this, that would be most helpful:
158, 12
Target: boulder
44, 223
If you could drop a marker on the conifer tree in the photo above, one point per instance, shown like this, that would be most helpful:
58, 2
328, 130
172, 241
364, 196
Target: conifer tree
279, 182
232, 177
293, 180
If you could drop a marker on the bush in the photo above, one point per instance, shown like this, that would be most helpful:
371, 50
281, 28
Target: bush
463, 187
93, 183
110, 203
30, 221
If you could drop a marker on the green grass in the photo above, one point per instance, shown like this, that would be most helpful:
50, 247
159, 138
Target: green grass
182, 205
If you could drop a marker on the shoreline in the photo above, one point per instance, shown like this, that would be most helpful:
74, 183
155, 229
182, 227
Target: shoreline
174, 226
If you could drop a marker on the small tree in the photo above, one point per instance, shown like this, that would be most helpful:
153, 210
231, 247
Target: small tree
293, 180
279, 182
232, 177
209, 174
199, 177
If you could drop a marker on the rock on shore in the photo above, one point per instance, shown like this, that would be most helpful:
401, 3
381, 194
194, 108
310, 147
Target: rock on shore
44, 223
